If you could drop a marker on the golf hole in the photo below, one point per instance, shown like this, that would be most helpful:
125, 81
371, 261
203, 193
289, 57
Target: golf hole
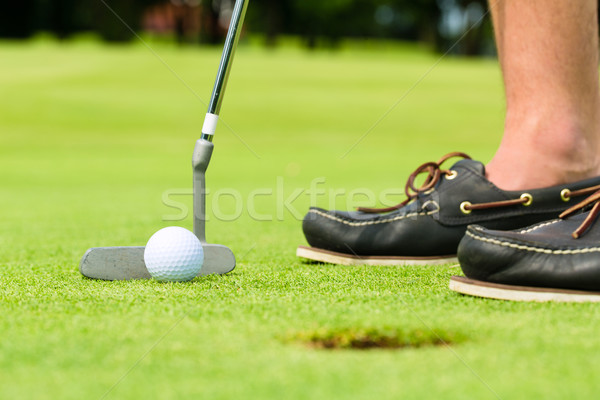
369, 339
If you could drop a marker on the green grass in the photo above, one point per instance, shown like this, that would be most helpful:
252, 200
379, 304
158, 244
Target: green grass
92, 136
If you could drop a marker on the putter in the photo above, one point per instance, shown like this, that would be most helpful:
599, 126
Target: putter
125, 263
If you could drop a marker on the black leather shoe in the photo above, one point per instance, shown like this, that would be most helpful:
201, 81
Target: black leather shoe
427, 227
554, 260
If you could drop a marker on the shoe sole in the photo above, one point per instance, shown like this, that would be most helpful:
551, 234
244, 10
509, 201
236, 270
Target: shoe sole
498, 291
332, 257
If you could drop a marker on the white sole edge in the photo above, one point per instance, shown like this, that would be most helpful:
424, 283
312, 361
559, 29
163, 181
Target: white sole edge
487, 290
331, 257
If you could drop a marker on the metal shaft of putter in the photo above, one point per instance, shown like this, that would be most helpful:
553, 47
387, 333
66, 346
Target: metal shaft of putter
204, 146
231, 41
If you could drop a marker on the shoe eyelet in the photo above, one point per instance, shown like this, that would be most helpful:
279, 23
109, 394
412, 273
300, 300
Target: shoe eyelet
451, 175
529, 199
463, 207
565, 195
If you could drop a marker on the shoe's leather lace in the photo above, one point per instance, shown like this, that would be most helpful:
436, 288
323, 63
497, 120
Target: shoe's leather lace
591, 217
434, 172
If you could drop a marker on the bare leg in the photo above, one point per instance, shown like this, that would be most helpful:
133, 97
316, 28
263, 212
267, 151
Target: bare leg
548, 52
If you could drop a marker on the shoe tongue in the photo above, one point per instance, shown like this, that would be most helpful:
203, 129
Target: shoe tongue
472, 165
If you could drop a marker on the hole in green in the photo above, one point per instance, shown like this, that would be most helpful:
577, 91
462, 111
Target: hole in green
367, 339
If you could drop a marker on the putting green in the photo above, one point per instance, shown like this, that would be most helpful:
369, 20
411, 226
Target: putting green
95, 139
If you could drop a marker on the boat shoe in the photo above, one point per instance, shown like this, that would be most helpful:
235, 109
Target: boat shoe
427, 227
555, 260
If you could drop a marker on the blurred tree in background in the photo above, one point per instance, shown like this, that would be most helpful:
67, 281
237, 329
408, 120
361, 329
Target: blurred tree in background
439, 23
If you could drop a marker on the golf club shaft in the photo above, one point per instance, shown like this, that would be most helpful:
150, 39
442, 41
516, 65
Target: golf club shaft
233, 35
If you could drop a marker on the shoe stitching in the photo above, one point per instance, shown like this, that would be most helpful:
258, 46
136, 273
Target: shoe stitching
428, 202
535, 227
366, 223
535, 249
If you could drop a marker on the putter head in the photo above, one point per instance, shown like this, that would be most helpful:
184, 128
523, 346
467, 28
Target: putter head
126, 263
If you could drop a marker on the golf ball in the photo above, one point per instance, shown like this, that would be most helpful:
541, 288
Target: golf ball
173, 254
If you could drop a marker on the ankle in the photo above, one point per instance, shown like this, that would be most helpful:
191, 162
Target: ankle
545, 156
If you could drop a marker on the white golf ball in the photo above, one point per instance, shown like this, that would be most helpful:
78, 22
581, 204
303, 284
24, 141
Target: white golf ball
173, 254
